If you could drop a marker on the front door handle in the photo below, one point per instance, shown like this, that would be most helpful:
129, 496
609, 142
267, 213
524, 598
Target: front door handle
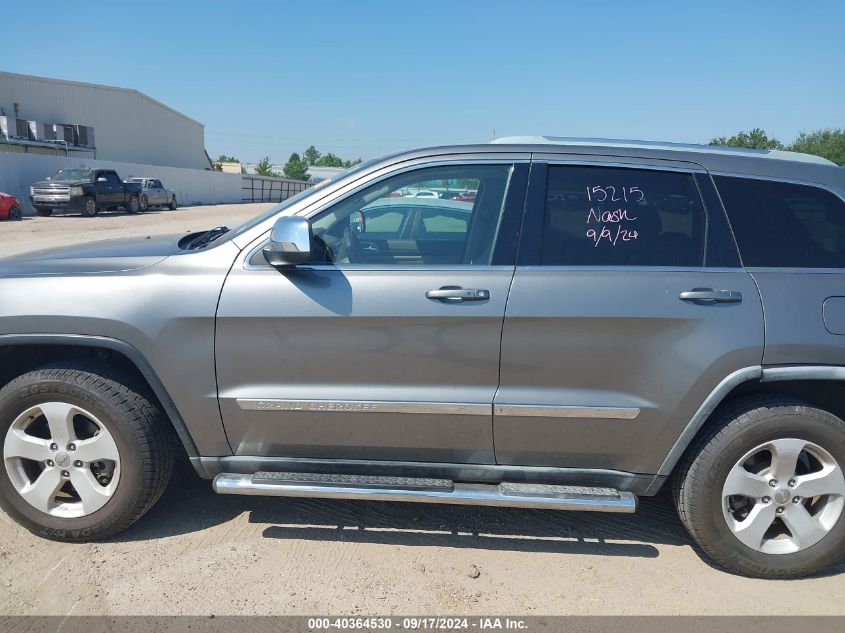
708, 295
450, 294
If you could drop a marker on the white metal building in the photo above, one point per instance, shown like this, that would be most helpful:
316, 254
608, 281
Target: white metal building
102, 122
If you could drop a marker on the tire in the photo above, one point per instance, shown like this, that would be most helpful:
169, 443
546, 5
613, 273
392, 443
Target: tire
44, 213
172, 206
15, 213
89, 207
133, 206
747, 447
144, 204
142, 442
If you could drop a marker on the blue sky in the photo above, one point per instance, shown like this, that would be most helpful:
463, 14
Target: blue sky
363, 78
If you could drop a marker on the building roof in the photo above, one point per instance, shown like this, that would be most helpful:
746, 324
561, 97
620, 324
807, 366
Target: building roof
100, 87
661, 145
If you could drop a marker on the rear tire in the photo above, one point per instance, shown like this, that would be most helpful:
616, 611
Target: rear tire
89, 207
133, 206
769, 528
44, 213
125, 420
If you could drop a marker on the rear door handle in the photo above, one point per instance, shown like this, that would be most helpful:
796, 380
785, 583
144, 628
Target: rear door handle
708, 295
452, 294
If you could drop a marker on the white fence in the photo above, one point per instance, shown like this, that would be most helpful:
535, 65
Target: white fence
192, 186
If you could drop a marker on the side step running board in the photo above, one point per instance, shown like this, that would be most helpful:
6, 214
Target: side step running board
515, 495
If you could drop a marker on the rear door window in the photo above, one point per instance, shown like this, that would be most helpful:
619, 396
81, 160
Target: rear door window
781, 224
607, 216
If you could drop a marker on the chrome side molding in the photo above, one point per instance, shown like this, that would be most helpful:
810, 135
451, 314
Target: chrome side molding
436, 408
555, 411
363, 406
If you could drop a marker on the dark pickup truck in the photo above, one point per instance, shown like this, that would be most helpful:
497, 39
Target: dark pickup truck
85, 190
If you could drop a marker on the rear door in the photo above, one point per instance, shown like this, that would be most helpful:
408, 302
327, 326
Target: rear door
386, 346
628, 307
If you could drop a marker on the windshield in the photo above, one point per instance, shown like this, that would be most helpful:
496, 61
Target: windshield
73, 174
300, 196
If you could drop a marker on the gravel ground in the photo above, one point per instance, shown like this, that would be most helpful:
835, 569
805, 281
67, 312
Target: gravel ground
198, 553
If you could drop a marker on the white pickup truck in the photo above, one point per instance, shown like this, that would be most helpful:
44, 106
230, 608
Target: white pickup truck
154, 193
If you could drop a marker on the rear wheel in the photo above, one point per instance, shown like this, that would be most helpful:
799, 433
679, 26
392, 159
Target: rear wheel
172, 204
134, 205
15, 213
89, 208
44, 213
763, 492
86, 451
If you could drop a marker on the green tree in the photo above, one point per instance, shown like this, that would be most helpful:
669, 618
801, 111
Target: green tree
352, 163
755, 139
263, 168
329, 160
296, 168
829, 144
311, 155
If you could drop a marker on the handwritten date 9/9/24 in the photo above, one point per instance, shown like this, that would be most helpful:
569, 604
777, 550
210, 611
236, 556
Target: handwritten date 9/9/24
612, 230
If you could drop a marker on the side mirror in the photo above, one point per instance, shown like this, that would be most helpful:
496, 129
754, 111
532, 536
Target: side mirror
290, 242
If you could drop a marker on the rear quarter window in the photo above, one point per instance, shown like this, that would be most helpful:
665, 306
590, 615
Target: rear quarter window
784, 225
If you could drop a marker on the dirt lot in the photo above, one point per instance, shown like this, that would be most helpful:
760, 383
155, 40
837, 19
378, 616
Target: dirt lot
197, 553
33, 233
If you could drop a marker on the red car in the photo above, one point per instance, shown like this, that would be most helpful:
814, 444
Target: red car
10, 207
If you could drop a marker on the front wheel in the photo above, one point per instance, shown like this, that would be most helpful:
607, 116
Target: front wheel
144, 204
15, 213
763, 492
89, 208
86, 451
172, 204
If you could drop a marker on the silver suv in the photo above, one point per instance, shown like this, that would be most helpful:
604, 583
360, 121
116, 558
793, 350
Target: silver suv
561, 324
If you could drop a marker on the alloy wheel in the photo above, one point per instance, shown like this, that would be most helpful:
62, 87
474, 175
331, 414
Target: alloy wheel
61, 459
783, 496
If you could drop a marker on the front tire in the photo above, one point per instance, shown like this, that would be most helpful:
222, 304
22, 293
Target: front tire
172, 205
86, 451
15, 213
763, 491
144, 204
89, 207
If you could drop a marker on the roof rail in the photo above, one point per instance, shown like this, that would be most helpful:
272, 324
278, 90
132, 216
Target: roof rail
665, 145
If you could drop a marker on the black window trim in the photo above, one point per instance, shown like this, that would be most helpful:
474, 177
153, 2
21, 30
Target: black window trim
529, 250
